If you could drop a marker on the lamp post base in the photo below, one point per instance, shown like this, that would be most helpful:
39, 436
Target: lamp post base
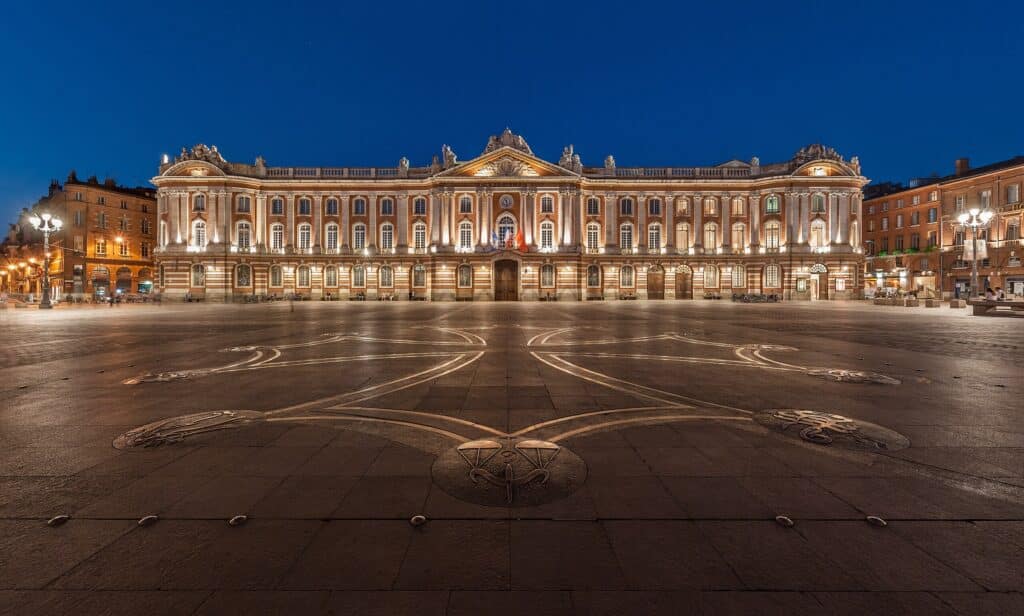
45, 306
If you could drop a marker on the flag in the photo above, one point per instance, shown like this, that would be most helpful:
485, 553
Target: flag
520, 242
494, 239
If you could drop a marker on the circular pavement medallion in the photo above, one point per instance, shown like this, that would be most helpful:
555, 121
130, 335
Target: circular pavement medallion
178, 428
508, 472
833, 430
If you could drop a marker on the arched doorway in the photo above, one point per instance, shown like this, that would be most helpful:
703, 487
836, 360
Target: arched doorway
145, 280
100, 281
655, 282
124, 281
819, 281
506, 280
684, 282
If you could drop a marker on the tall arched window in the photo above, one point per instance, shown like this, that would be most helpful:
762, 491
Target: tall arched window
626, 236
305, 206
419, 236
683, 237
359, 276
419, 277
331, 238
276, 279
387, 237
199, 203
593, 276
771, 205
710, 276
772, 276
332, 207
593, 236
710, 236
302, 276
739, 278
359, 207
547, 275
626, 276
305, 236
330, 276
277, 237
654, 237
739, 236
506, 229
818, 237
465, 236
547, 235
465, 276
243, 234
772, 234
198, 275
387, 207
359, 237
386, 278
244, 275
199, 233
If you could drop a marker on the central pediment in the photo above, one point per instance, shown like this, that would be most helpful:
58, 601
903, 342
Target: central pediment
506, 162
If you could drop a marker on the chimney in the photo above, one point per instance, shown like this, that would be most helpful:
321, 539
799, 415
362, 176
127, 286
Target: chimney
963, 165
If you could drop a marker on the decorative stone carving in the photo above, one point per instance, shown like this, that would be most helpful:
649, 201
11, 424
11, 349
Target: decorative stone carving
570, 160
450, 159
507, 139
507, 166
201, 152
816, 151
609, 162
403, 167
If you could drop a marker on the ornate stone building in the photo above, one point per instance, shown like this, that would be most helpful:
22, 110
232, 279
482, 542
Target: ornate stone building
508, 225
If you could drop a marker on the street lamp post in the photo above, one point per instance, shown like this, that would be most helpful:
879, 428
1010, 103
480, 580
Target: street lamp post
975, 218
47, 224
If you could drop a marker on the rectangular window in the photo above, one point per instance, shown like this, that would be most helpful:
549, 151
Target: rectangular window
885, 206
871, 209
466, 205
101, 248
915, 241
885, 223
593, 235
772, 206
419, 207
305, 207
1013, 193
101, 200
593, 207
626, 238
871, 225
79, 218
933, 195
78, 196
387, 237
101, 220
899, 203
244, 205
932, 238
933, 214
915, 218
915, 200
359, 238
277, 207
332, 207
737, 207
986, 198
419, 237
387, 207
899, 242
123, 249
654, 238
547, 235
626, 207
79, 243
960, 200
123, 224
547, 204
885, 244
145, 208
654, 207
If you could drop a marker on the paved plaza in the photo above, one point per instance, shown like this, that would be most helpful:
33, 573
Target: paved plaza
567, 458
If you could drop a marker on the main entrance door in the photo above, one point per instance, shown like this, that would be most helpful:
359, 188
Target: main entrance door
655, 283
506, 281
684, 283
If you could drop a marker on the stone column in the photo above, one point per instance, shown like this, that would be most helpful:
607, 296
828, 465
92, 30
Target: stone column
528, 216
641, 223
173, 235
212, 203
318, 221
371, 232
581, 219
697, 202
669, 203
225, 216
435, 218
789, 230
345, 232
755, 221
726, 205
805, 217
289, 230
611, 211
403, 223
261, 219
858, 207
446, 216
843, 219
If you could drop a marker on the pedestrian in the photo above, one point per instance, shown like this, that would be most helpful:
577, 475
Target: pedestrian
1000, 294
990, 295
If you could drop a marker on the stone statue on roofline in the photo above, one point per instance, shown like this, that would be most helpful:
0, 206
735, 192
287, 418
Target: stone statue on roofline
450, 160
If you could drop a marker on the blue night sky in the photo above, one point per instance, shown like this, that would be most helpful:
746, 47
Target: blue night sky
907, 86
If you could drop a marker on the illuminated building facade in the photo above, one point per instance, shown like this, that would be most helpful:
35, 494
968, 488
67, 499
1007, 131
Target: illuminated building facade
508, 225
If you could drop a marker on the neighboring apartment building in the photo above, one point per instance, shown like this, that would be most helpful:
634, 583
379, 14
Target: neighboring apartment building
507, 225
107, 239
914, 242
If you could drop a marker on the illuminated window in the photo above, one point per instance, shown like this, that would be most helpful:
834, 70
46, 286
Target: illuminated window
683, 237
593, 276
710, 206
739, 279
331, 238
771, 205
419, 236
818, 203
738, 206
654, 237
386, 277
710, 276
771, 276
465, 235
277, 237
626, 276
547, 275
302, 276
359, 237
593, 236
419, 276
626, 237
465, 276
739, 235
711, 236
547, 235
199, 233
305, 236
275, 276
199, 203
772, 234
198, 275
331, 276
387, 236
359, 276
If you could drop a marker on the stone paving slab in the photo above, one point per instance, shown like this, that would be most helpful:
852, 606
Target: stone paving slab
673, 511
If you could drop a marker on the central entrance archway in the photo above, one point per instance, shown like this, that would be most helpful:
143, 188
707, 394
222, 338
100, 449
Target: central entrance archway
655, 282
684, 282
506, 280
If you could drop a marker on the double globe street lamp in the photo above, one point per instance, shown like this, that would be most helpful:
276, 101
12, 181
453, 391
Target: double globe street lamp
47, 224
975, 218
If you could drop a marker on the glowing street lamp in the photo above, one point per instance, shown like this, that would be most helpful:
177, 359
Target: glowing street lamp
975, 218
47, 224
